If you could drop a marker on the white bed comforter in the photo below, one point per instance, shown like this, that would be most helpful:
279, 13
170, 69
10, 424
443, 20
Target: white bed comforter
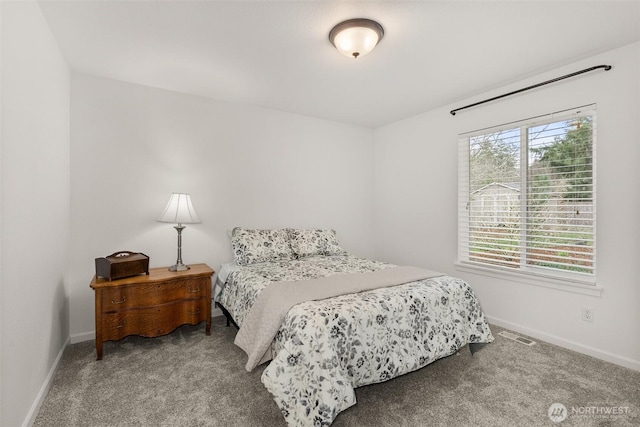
325, 349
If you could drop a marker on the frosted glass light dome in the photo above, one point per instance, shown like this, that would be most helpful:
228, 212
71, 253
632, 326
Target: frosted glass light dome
356, 37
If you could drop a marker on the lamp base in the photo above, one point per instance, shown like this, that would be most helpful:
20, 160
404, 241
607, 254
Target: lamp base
179, 267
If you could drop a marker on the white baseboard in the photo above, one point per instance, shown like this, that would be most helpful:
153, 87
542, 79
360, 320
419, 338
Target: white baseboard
215, 312
571, 345
85, 336
44, 390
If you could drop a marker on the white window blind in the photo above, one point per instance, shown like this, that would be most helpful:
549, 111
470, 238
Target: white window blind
526, 195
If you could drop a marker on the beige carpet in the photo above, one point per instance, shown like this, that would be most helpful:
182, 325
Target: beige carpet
189, 379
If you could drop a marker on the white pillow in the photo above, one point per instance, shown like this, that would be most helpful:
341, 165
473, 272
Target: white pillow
251, 246
314, 242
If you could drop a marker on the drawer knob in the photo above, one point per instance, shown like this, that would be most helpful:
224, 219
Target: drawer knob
193, 291
119, 302
194, 313
121, 325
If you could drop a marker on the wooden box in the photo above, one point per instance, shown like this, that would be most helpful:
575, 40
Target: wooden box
122, 264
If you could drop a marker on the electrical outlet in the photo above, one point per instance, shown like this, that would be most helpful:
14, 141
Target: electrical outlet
587, 314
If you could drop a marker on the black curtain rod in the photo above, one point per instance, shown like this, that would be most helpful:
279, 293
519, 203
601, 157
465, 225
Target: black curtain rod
586, 70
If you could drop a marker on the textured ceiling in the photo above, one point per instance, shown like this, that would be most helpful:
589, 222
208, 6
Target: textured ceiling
276, 54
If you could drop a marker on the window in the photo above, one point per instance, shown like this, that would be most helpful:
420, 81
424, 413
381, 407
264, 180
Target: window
527, 196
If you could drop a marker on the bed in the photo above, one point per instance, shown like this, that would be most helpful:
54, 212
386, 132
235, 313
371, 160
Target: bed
324, 348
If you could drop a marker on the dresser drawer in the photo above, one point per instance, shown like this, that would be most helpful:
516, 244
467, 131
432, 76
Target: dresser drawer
153, 321
141, 295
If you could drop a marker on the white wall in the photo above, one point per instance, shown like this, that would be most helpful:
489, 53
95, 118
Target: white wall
416, 205
131, 146
34, 209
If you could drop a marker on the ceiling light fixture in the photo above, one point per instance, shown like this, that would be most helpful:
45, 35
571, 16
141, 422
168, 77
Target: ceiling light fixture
356, 37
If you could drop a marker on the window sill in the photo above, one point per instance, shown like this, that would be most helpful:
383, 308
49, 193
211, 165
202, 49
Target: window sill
568, 285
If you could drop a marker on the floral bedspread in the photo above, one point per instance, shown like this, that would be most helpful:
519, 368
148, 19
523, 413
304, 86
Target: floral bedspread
325, 349
243, 285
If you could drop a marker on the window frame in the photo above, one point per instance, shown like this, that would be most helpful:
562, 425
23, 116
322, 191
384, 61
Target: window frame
545, 276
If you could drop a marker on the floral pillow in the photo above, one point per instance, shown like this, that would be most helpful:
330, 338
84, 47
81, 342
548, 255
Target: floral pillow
251, 246
314, 242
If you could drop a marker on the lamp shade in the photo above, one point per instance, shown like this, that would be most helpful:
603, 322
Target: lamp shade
179, 210
356, 37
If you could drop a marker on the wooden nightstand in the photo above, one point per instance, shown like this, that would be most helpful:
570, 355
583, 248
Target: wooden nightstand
151, 305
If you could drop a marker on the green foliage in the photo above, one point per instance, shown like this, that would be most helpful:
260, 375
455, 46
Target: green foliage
538, 193
570, 157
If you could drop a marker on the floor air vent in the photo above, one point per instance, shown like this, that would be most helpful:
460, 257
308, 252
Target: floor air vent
515, 337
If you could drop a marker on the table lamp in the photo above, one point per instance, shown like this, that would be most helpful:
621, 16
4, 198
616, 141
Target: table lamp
179, 211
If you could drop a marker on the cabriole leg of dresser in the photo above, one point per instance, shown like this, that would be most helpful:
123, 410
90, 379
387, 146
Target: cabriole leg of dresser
208, 296
98, 349
98, 317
